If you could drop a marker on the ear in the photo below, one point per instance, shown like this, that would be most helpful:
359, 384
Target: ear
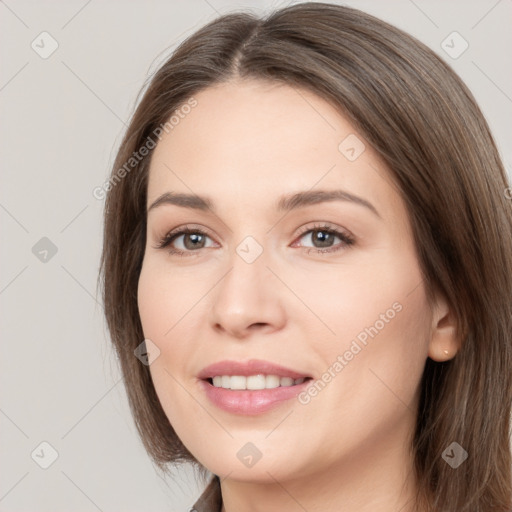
443, 344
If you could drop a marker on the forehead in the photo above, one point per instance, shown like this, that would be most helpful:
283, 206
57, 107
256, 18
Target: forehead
253, 121
260, 139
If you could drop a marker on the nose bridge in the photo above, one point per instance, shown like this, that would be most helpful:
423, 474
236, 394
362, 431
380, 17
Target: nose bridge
246, 295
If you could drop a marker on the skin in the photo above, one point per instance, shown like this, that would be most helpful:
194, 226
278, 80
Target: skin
244, 145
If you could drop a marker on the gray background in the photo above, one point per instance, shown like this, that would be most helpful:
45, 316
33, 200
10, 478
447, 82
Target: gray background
62, 120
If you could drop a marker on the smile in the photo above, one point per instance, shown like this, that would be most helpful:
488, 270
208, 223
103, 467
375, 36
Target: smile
253, 382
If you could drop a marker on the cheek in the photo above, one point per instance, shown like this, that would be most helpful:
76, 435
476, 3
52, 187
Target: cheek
169, 309
165, 298
149, 313
383, 353
160, 311
163, 308
379, 323
370, 296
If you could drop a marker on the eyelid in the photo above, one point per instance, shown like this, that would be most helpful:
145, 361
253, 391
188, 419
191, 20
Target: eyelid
346, 237
326, 226
180, 230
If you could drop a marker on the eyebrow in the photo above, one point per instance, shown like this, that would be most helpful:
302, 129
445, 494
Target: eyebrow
285, 203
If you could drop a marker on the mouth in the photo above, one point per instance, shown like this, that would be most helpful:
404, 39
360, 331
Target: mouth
252, 374
254, 382
251, 387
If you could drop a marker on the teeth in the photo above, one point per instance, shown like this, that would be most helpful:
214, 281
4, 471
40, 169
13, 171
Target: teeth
238, 382
272, 381
286, 381
254, 382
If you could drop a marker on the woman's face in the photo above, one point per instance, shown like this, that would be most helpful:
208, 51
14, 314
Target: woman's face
250, 282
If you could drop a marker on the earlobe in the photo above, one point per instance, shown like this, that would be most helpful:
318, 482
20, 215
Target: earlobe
443, 344
438, 355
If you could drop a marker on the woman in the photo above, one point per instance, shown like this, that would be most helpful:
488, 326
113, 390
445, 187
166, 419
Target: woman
308, 238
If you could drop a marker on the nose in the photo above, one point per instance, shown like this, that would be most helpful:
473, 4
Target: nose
248, 299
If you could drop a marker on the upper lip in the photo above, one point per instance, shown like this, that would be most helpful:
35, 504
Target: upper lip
246, 368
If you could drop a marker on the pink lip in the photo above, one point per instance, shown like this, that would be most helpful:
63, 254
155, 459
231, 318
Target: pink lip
249, 402
251, 367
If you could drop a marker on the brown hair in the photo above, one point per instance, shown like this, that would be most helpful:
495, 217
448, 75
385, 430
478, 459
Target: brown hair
426, 126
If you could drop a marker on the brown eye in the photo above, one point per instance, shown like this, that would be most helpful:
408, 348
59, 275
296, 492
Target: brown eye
184, 241
193, 241
323, 239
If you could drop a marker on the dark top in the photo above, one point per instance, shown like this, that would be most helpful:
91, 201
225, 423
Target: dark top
211, 499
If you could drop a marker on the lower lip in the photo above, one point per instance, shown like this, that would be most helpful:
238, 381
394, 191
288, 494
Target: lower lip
250, 402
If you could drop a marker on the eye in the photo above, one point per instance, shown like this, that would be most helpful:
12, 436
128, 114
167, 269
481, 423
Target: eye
188, 239
322, 238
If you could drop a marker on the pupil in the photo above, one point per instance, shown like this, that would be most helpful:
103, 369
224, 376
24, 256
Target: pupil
194, 238
324, 238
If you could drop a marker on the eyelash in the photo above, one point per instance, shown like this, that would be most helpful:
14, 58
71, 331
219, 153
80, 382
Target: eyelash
346, 239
